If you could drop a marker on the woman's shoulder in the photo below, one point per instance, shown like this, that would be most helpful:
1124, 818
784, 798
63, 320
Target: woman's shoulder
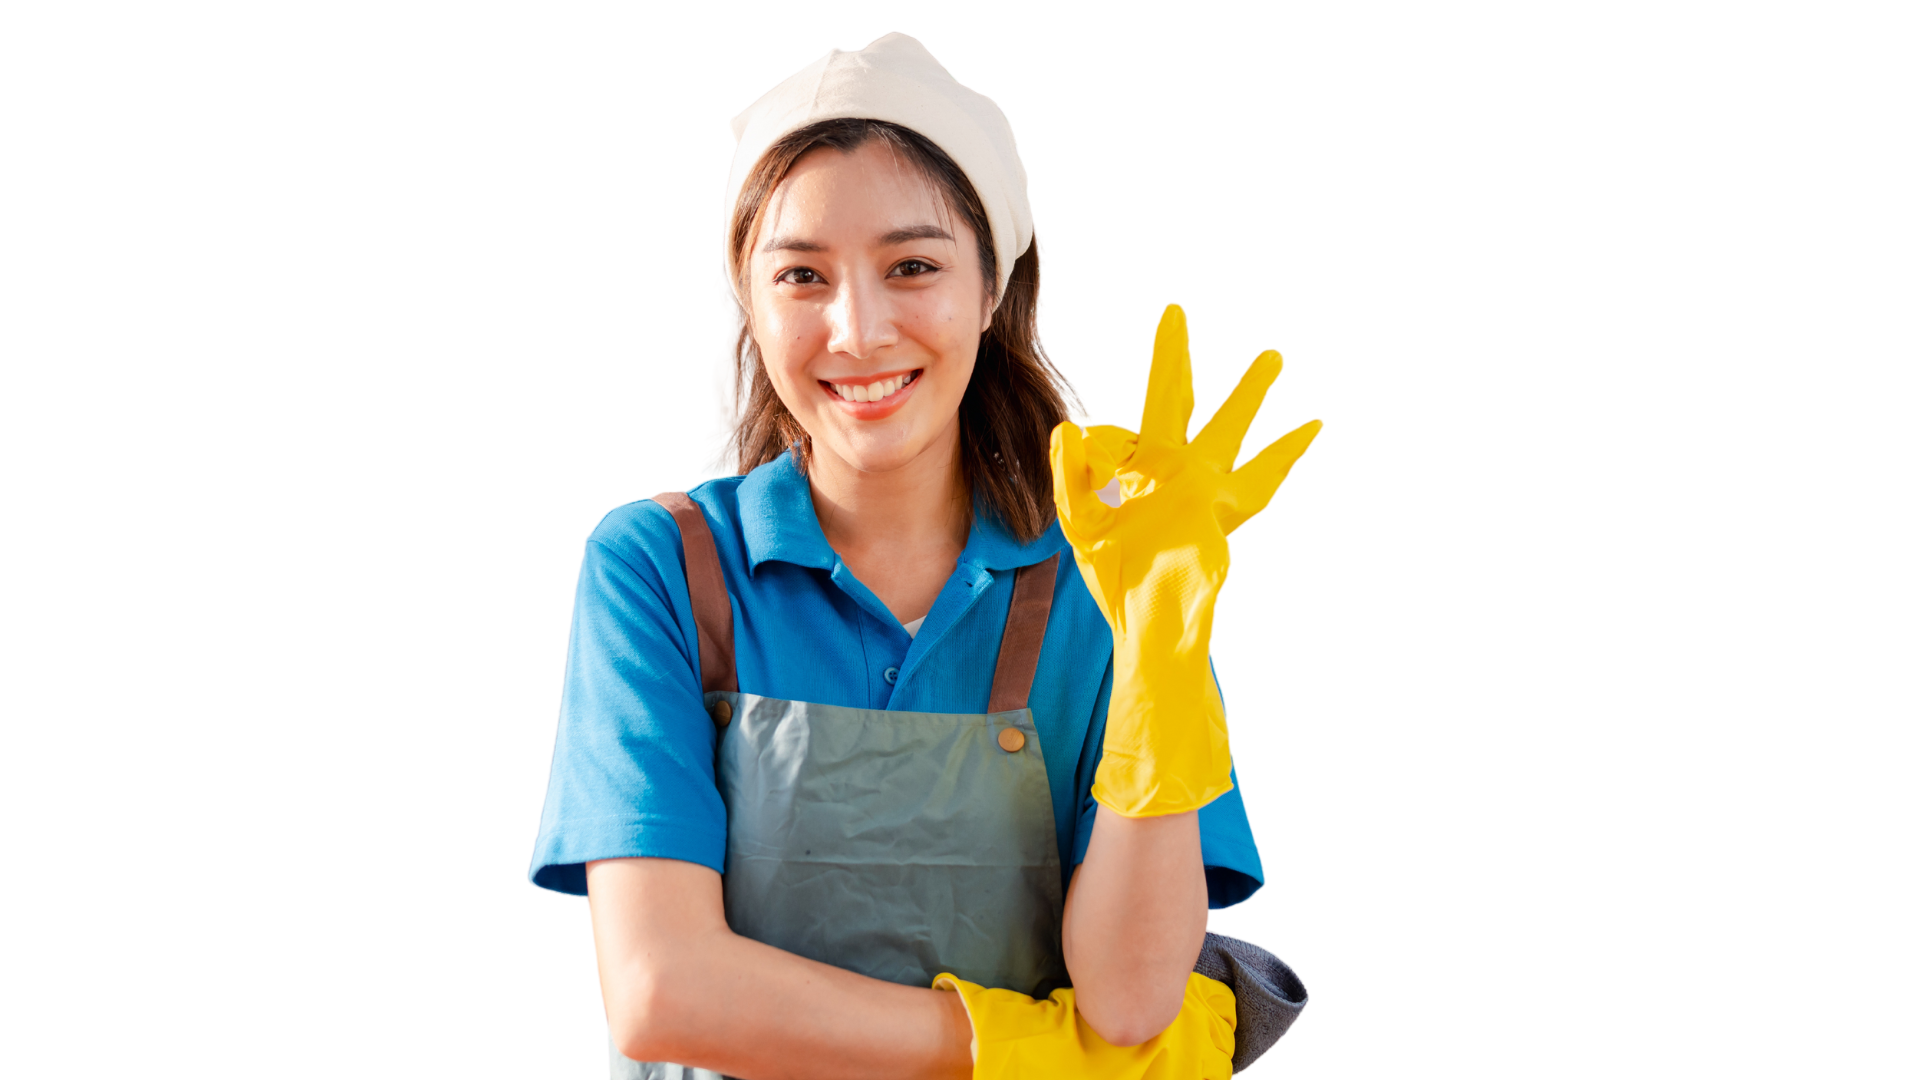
644, 532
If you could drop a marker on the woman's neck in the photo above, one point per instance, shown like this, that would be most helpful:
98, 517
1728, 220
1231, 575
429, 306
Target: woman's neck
900, 531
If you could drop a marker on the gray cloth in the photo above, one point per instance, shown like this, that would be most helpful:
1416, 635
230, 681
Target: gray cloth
1267, 995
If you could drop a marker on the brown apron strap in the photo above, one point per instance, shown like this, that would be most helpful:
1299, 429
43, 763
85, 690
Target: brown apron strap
1026, 629
712, 613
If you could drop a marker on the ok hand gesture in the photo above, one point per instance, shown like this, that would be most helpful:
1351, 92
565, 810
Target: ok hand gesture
1155, 564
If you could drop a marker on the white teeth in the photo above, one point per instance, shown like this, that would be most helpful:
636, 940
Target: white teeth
872, 391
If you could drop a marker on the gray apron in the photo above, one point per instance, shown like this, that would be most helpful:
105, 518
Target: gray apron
897, 845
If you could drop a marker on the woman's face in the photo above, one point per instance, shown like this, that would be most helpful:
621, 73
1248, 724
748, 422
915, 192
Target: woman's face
868, 304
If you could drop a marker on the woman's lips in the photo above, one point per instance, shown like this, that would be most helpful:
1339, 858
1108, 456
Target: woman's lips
875, 398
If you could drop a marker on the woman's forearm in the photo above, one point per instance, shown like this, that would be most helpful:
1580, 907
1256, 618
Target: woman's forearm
742, 1008
680, 986
1136, 918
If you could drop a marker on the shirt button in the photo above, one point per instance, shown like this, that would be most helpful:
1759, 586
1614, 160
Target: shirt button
722, 712
1012, 739
892, 675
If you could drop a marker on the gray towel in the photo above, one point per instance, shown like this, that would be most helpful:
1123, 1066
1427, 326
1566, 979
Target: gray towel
1267, 995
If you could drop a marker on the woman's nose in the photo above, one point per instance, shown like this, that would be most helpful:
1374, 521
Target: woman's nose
860, 320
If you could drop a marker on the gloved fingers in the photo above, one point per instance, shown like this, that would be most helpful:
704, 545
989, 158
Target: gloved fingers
1220, 1011
1084, 519
1110, 448
1083, 464
1219, 442
1170, 384
1251, 486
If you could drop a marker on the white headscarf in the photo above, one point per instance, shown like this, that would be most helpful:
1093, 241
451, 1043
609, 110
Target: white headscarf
897, 80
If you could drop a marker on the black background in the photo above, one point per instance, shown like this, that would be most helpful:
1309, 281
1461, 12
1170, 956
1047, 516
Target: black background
552, 220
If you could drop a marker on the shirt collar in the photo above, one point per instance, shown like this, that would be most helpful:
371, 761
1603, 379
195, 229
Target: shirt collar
778, 523
777, 518
991, 547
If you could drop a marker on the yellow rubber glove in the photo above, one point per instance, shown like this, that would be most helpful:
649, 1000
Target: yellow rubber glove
1017, 1038
1155, 565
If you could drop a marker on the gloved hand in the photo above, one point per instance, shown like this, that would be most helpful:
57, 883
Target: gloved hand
1155, 565
1018, 1038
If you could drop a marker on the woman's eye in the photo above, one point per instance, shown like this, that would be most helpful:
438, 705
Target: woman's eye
799, 275
914, 268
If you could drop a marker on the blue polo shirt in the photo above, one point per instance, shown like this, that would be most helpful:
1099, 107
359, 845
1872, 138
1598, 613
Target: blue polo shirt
633, 766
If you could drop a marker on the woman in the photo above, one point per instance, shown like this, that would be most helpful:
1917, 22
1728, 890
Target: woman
860, 681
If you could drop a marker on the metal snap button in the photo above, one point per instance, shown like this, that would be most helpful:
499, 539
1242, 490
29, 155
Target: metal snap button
722, 712
1012, 739
892, 675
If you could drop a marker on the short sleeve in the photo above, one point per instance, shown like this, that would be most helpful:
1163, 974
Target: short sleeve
1227, 849
633, 760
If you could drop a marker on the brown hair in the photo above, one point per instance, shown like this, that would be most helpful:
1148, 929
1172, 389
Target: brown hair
1016, 395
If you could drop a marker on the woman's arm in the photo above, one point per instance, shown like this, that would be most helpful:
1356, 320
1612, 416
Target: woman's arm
680, 986
1136, 918
1154, 563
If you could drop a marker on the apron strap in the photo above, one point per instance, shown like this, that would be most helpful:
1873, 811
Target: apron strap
707, 586
1026, 629
713, 612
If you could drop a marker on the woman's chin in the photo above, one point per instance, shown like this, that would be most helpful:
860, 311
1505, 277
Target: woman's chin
875, 453
879, 463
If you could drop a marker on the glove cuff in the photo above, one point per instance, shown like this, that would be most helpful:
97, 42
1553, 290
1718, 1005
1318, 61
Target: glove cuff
1166, 748
967, 991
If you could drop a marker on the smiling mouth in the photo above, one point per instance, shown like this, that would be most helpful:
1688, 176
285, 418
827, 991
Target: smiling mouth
873, 391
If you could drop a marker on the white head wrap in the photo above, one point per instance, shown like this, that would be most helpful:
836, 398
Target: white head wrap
897, 80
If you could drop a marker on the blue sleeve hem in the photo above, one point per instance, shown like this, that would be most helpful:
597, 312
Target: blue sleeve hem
1227, 886
562, 866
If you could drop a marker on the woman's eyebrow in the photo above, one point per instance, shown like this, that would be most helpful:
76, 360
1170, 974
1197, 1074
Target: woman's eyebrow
792, 243
897, 236
915, 232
